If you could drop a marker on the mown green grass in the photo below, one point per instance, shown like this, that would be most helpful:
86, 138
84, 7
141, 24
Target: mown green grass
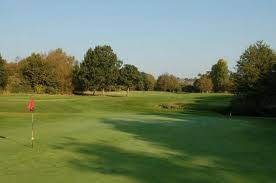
131, 139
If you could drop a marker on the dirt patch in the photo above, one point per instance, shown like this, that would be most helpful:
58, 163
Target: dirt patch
172, 106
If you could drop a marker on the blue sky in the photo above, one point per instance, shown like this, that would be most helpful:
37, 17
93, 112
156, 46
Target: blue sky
175, 36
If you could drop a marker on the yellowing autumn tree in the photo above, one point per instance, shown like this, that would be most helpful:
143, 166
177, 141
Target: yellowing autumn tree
63, 67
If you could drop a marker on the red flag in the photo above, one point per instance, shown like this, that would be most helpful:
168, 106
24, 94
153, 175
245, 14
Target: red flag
31, 105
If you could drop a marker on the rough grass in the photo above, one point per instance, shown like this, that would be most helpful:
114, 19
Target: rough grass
131, 139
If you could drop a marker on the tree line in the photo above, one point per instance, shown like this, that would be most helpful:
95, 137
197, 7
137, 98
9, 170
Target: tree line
59, 73
253, 82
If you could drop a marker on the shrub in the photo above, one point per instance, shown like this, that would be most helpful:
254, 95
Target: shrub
39, 89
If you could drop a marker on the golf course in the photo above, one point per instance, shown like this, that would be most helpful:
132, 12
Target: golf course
147, 137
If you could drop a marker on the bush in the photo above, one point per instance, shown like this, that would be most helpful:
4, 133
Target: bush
16, 85
39, 89
51, 90
249, 105
189, 88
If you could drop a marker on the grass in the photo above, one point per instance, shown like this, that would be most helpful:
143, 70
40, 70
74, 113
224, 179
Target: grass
131, 139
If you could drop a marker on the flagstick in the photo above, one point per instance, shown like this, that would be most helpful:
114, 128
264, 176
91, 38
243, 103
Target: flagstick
32, 129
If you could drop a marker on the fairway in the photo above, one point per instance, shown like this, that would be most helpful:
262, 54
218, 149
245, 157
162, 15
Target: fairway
118, 139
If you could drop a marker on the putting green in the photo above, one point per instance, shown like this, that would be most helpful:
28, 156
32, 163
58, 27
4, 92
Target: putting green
132, 139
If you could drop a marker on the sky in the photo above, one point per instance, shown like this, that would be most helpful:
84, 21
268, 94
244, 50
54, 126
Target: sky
182, 37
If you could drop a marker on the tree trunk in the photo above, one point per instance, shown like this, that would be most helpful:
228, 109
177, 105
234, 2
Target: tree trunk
127, 91
103, 91
94, 91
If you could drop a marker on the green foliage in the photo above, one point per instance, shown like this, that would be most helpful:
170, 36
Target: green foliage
140, 85
255, 64
100, 68
79, 80
148, 81
167, 82
255, 80
3, 74
231, 84
36, 72
52, 72
16, 82
17, 85
220, 75
129, 76
39, 89
189, 88
204, 83
56, 72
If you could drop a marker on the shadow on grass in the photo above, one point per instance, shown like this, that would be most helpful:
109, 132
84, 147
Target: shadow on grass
110, 160
236, 149
106, 94
208, 103
209, 150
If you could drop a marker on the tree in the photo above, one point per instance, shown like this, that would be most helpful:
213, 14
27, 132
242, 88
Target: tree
167, 82
231, 84
220, 75
254, 65
79, 81
255, 81
188, 88
100, 68
204, 83
38, 74
3, 74
129, 76
86, 72
62, 65
148, 81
